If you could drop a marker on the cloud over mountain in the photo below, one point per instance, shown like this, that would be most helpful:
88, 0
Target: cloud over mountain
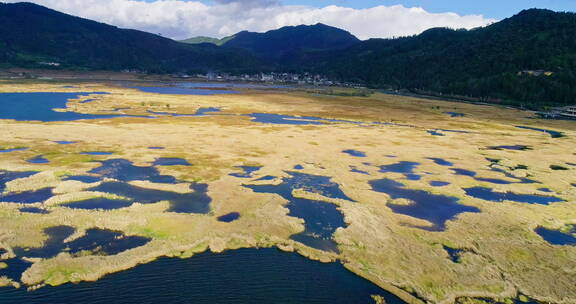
180, 19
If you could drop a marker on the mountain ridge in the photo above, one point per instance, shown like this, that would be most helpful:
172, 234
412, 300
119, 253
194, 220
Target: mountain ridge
528, 59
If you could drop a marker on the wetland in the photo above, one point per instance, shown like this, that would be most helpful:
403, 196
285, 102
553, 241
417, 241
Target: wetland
238, 193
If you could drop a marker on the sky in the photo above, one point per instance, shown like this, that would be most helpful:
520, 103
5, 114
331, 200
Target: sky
181, 19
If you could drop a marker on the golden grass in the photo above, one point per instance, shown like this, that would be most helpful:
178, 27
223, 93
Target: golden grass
503, 255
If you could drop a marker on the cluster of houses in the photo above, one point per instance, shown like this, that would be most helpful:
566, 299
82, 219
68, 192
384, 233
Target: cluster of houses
567, 112
275, 78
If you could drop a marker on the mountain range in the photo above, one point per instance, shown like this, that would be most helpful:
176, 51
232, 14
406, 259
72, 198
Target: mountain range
528, 59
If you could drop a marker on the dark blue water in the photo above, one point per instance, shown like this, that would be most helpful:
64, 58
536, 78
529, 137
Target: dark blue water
14, 270
97, 153
156, 148
206, 111
356, 170
197, 201
285, 119
96, 241
27, 197
230, 217
241, 276
199, 112
267, 178
455, 114
124, 170
65, 142
436, 209
558, 168
83, 178
454, 254
354, 153
545, 190
510, 147
404, 167
321, 219
439, 184
38, 160
553, 134
170, 161
441, 162
435, 133
247, 171
496, 181
53, 245
488, 194
555, 237
298, 167
105, 242
13, 150
7, 176
99, 203
34, 210
38, 106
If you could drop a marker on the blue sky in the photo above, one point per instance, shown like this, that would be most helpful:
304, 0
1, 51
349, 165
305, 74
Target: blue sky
497, 9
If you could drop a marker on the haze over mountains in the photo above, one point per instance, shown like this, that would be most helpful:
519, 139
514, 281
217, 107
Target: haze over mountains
528, 58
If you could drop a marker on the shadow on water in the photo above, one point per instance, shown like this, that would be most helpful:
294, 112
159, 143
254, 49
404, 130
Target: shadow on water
124, 170
241, 276
404, 167
247, 171
436, 209
321, 219
488, 194
196, 201
556, 237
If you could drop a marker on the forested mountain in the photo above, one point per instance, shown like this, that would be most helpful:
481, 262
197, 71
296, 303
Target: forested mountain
527, 59
209, 40
284, 43
32, 36
530, 57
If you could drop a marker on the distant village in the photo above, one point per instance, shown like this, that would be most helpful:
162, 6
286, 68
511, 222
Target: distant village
273, 78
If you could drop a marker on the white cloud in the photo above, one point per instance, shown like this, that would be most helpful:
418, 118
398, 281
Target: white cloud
183, 19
